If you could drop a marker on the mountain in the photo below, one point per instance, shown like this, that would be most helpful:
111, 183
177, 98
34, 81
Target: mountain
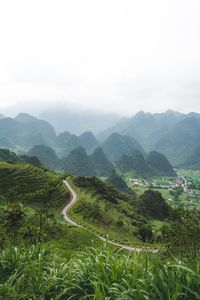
25, 131
180, 143
30, 184
118, 182
78, 121
155, 164
1, 116
88, 141
65, 143
6, 144
47, 156
134, 161
173, 134
11, 157
78, 163
160, 164
7, 155
117, 144
101, 165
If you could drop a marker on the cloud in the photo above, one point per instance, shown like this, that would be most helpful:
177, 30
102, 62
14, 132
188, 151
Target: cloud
112, 55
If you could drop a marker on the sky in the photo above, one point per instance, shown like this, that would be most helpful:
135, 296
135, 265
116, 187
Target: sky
115, 56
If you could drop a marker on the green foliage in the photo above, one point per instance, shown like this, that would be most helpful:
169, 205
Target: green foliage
101, 165
37, 273
14, 216
78, 163
160, 164
106, 191
145, 232
26, 183
47, 156
119, 182
185, 234
152, 205
155, 164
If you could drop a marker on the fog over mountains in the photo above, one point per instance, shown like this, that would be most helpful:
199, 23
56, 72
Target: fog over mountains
175, 135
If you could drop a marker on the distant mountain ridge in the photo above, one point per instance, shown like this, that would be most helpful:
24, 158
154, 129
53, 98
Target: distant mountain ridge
77, 122
174, 134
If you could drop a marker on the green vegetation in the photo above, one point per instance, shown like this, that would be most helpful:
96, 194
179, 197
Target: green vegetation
80, 163
100, 163
43, 257
122, 216
135, 162
115, 145
38, 273
47, 156
118, 182
23, 182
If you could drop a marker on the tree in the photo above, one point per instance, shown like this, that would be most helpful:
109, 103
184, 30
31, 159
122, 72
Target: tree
185, 236
14, 217
145, 232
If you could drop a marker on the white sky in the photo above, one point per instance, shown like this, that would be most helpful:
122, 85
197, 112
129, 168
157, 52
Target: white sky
120, 56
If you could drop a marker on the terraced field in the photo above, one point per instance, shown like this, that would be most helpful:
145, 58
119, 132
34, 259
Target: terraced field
24, 182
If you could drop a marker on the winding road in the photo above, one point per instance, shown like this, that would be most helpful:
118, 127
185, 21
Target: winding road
72, 201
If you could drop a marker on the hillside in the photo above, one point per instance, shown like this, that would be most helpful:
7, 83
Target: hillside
24, 182
154, 164
88, 141
9, 156
117, 144
78, 163
173, 134
101, 164
47, 156
160, 164
134, 161
26, 131
109, 211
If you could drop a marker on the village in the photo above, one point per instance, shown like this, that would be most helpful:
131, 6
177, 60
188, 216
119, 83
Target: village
170, 184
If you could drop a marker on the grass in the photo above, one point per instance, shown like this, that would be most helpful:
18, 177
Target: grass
98, 215
95, 274
24, 182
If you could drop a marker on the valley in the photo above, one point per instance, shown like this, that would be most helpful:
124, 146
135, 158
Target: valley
74, 197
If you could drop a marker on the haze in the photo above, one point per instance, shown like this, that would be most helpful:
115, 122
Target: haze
120, 56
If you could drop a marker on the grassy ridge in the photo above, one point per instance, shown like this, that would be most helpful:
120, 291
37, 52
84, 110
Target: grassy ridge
24, 182
95, 274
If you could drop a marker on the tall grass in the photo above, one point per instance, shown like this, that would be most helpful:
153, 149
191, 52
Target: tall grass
37, 273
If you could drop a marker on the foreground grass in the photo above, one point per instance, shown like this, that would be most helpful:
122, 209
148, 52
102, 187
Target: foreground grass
39, 273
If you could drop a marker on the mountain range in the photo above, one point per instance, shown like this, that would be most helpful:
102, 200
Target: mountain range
175, 135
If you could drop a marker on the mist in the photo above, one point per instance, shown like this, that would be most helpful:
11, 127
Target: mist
109, 56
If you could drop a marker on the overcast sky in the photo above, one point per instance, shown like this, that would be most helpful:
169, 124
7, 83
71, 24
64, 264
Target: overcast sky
120, 56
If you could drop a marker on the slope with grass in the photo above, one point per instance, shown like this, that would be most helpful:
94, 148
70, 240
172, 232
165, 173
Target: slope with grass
24, 182
106, 210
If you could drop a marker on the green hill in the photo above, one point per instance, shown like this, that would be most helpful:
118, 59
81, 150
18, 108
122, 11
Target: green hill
26, 131
7, 155
47, 156
118, 182
117, 144
24, 182
160, 164
88, 141
78, 163
109, 211
155, 164
134, 161
65, 143
101, 165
